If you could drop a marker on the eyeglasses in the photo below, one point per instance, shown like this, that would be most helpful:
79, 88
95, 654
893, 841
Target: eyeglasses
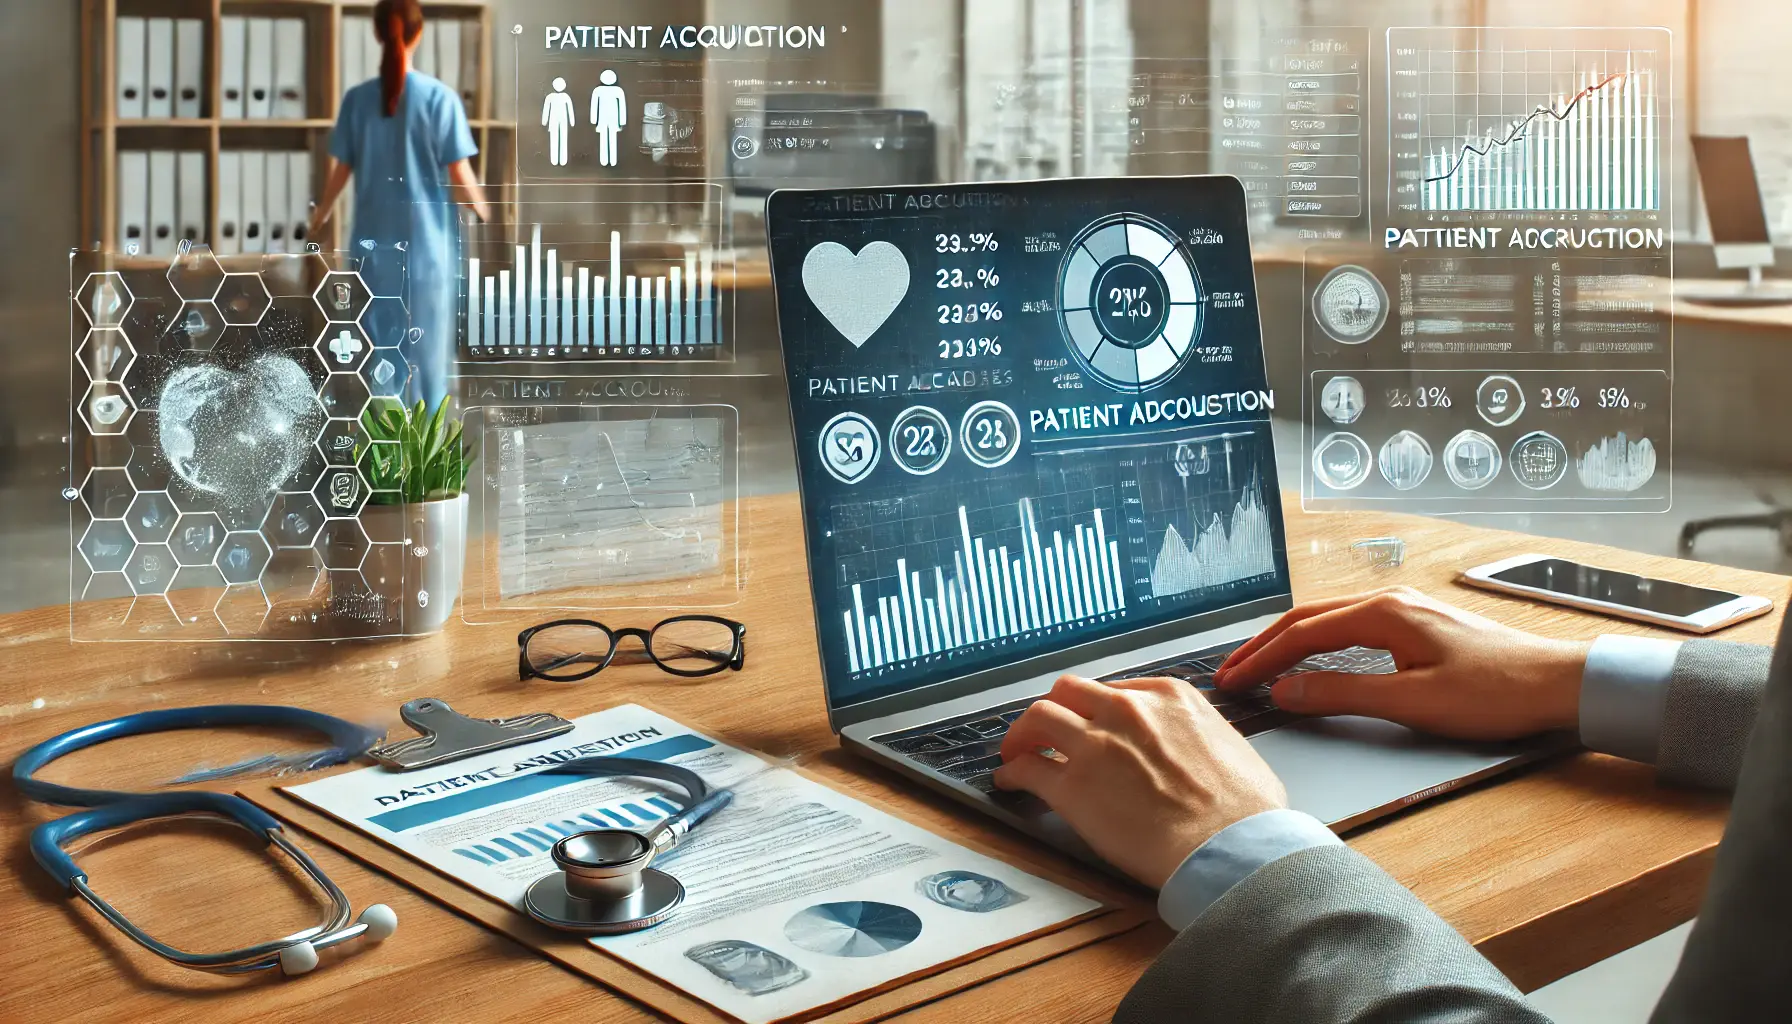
568, 650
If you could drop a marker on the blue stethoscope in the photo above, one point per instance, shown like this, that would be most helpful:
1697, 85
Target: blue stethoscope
109, 809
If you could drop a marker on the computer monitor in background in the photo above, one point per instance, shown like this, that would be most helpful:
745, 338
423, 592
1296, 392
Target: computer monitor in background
1733, 204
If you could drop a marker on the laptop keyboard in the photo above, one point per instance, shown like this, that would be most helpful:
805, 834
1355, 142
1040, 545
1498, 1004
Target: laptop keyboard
968, 748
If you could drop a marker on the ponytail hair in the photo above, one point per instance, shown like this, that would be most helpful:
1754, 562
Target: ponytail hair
397, 24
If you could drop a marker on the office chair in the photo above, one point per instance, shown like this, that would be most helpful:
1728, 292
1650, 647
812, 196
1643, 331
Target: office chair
1775, 518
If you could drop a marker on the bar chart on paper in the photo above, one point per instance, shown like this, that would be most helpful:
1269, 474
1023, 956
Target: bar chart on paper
596, 299
1012, 573
1505, 125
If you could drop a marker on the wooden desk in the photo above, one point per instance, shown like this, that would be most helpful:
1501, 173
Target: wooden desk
1547, 871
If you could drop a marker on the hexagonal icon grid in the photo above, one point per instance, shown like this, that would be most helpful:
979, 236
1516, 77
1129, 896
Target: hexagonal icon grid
107, 493
344, 396
197, 326
149, 318
386, 321
342, 544
242, 556
343, 347
194, 595
343, 296
195, 273
243, 609
150, 569
386, 374
197, 538
293, 521
151, 517
106, 545
107, 408
341, 493
105, 354
243, 299
104, 298
340, 441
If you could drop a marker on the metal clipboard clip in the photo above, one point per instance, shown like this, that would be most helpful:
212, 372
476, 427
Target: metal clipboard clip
449, 735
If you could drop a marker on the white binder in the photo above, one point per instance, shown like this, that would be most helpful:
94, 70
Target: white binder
230, 204
133, 202
189, 67
260, 69
289, 69
233, 66
447, 45
298, 203
189, 207
159, 61
354, 44
469, 65
131, 78
254, 215
274, 198
164, 197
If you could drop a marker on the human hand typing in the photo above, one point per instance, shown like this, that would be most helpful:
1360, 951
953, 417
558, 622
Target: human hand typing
1459, 675
1145, 770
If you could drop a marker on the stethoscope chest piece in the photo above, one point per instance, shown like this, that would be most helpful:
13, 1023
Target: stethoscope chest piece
603, 885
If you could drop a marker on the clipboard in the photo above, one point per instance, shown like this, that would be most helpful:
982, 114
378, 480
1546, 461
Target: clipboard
1122, 911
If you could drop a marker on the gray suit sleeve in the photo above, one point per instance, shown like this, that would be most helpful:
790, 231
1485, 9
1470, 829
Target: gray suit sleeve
1322, 936
1708, 710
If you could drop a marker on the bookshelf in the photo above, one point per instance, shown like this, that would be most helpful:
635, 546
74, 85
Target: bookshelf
104, 134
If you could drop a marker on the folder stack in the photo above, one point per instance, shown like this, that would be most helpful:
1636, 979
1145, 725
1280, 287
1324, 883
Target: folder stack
264, 201
160, 67
261, 68
161, 200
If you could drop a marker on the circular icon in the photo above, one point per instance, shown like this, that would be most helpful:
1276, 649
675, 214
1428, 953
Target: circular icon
989, 434
1499, 400
745, 146
1350, 305
1472, 460
1539, 460
850, 447
1130, 301
1342, 401
920, 440
1405, 460
1342, 461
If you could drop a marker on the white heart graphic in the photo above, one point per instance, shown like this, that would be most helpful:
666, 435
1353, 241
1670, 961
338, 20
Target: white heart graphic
856, 293
239, 434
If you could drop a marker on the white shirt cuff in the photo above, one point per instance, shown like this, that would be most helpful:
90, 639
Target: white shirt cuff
1233, 855
1622, 691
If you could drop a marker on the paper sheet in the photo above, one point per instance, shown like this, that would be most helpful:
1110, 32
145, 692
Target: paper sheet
796, 896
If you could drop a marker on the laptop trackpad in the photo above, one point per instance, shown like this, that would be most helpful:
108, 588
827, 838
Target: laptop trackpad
1339, 768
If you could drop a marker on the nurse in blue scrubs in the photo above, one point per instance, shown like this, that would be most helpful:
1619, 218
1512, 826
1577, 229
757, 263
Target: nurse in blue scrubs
405, 140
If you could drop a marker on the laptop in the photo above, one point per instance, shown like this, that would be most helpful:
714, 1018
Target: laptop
1033, 438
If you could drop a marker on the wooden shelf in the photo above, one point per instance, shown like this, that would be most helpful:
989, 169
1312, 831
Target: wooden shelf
102, 131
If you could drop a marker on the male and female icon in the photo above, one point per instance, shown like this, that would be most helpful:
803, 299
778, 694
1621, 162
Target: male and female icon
609, 114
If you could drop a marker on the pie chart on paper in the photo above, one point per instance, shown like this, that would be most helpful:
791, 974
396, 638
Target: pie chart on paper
857, 928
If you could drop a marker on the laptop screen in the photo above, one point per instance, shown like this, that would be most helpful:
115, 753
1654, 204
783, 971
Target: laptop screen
1028, 416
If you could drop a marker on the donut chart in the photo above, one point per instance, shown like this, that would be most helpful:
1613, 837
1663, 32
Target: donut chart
1130, 302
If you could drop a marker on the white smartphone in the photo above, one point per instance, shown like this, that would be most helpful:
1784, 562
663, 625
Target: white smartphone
1618, 594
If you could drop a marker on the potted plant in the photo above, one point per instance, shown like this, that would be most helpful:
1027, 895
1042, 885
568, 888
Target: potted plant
415, 462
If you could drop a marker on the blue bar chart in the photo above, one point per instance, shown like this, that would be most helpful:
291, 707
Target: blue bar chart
989, 592
542, 304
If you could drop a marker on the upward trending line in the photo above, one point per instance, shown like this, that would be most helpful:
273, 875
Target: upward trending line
1518, 129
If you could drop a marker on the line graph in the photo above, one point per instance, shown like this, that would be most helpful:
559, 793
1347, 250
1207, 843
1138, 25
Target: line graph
1501, 124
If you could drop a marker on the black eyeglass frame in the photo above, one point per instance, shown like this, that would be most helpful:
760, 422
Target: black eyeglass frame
737, 656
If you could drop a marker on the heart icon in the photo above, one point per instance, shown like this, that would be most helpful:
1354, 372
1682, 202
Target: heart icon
239, 434
856, 293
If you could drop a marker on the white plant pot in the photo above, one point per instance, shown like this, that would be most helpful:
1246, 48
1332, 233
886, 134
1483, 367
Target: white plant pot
434, 556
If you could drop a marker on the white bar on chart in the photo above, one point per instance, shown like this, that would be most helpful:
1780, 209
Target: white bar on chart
631, 334
616, 335
491, 311
706, 300
660, 324
473, 287
852, 649
1063, 568
995, 586
932, 624
1101, 549
920, 622
1119, 580
504, 307
1020, 595
1014, 625
1082, 571
968, 621
1051, 587
550, 331
939, 590
908, 610
877, 651
981, 595
893, 647
567, 323
675, 315
690, 298
1073, 585
533, 318
584, 330
858, 611
598, 322
519, 333
955, 618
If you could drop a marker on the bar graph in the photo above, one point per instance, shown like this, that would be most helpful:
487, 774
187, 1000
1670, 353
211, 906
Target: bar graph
1529, 120
589, 305
532, 841
989, 592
